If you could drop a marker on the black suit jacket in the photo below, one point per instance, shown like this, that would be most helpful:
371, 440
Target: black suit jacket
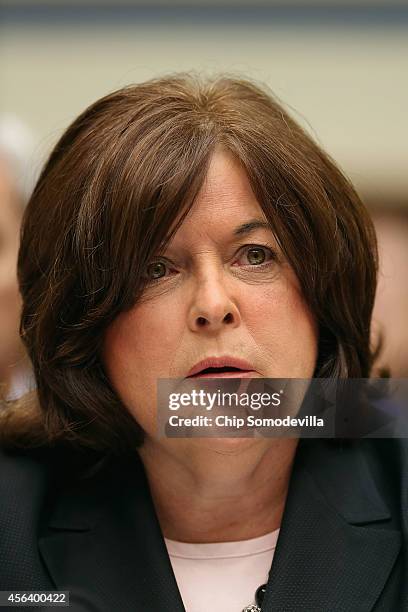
342, 545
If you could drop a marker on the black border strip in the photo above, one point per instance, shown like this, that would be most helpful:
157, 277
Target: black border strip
362, 16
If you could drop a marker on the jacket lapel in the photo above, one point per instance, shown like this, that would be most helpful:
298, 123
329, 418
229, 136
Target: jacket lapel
103, 543
337, 543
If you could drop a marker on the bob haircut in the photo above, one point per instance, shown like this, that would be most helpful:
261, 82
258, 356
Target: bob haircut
116, 187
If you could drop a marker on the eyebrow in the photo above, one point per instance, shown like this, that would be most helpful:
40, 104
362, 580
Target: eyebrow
250, 226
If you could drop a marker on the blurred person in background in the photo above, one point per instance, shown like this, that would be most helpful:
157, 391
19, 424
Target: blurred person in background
15, 175
390, 315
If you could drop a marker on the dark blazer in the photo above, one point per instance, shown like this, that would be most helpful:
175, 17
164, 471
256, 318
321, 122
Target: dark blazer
342, 545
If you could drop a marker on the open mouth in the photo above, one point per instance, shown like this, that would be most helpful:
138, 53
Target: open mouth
220, 372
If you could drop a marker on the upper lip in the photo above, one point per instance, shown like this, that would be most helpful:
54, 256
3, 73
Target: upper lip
219, 362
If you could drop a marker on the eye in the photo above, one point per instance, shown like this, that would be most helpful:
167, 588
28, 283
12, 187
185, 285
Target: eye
156, 270
256, 255
159, 269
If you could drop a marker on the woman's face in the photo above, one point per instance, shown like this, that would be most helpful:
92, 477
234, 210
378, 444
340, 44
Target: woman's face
215, 291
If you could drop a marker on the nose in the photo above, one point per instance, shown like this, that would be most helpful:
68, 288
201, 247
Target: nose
212, 307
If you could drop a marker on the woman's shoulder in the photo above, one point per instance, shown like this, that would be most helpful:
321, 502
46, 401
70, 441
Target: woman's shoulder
28, 474
24, 488
32, 473
24, 469
356, 469
389, 453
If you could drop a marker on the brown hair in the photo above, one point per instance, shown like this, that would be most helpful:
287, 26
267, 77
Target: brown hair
117, 186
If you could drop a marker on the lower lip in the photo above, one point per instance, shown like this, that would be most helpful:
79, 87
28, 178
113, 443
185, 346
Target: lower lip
241, 374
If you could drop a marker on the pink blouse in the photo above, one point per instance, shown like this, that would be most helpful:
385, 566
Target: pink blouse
221, 576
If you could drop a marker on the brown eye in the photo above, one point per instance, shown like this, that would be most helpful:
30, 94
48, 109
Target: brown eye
256, 256
156, 270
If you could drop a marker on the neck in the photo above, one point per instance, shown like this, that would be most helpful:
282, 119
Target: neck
205, 494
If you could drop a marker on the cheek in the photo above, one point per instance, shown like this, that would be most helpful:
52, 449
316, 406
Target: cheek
283, 327
143, 335
138, 349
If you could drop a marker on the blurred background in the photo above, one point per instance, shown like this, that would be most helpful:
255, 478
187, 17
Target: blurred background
339, 67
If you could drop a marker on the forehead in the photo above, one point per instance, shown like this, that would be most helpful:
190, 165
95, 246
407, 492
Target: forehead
224, 201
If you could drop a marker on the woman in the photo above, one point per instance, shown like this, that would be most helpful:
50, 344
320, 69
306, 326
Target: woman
181, 225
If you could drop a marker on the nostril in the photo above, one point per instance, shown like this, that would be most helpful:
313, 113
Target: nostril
201, 321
